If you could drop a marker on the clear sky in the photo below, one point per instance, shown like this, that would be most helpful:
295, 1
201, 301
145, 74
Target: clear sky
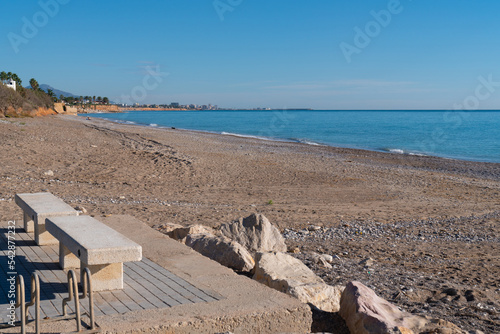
323, 54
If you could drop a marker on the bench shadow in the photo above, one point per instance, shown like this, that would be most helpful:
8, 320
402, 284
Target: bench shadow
26, 268
4, 232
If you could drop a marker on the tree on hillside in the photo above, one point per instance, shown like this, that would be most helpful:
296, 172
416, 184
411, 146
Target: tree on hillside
18, 81
50, 93
9, 75
34, 84
99, 99
105, 100
3, 76
93, 98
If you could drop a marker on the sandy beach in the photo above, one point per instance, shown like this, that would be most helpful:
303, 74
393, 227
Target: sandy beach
430, 224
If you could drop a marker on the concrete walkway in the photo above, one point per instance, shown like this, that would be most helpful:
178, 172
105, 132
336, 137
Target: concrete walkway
173, 290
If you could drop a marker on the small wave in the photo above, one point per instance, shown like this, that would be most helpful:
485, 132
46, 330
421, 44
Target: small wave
307, 142
153, 124
243, 136
401, 151
396, 150
418, 154
119, 121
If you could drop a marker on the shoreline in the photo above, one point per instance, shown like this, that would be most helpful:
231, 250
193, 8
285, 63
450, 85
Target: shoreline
361, 184
387, 150
435, 160
490, 170
428, 223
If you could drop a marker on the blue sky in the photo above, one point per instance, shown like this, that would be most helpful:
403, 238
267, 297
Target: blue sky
420, 54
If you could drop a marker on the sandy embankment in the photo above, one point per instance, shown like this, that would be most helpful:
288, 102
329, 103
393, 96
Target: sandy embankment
173, 176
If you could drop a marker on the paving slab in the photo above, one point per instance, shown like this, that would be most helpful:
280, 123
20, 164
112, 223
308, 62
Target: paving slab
176, 290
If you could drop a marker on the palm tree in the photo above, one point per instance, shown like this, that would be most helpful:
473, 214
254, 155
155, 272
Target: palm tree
34, 84
18, 81
99, 99
93, 98
105, 100
3, 76
50, 93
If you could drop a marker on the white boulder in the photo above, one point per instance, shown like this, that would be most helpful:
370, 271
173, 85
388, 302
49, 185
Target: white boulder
289, 275
179, 232
223, 250
255, 233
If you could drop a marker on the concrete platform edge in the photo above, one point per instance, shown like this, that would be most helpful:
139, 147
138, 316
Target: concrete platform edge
246, 305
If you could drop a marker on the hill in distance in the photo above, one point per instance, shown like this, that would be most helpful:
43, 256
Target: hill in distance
57, 92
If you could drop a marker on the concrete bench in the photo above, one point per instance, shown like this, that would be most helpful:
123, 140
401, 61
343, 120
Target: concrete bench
38, 206
87, 243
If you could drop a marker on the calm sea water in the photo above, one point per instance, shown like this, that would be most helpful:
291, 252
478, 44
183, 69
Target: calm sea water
471, 135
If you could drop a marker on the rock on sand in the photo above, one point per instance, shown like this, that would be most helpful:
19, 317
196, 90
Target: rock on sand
289, 275
223, 250
366, 313
255, 233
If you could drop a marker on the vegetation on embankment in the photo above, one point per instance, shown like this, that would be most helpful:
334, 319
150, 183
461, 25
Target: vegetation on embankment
24, 102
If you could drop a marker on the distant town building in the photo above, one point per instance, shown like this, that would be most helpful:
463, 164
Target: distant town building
175, 104
11, 84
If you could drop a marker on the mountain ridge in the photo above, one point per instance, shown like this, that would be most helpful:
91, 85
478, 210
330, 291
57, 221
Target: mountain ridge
57, 92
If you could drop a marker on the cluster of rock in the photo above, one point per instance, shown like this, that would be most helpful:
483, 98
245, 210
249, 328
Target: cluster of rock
432, 229
253, 245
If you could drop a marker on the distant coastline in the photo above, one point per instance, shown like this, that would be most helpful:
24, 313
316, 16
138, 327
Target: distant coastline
129, 108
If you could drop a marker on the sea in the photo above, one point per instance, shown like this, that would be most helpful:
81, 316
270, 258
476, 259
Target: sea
464, 135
